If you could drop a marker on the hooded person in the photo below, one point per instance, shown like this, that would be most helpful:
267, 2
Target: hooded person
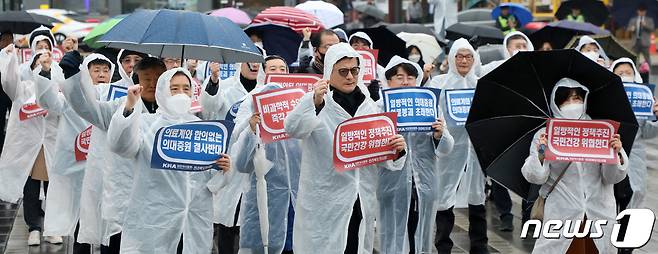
592, 50
126, 60
29, 149
585, 192
335, 211
407, 197
637, 173
166, 204
460, 169
361, 41
514, 42
318, 44
282, 182
67, 173
41, 40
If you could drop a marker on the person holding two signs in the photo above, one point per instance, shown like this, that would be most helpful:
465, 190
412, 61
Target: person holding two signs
166, 204
329, 202
637, 174
585, 192
460, 169
407, 197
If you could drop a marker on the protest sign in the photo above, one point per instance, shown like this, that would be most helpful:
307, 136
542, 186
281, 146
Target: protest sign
116, 92
641, 99
274, 106
193, 146
82, 142
26, 54
233, 111
458, 104
363, 141
417, 107
304, 81
225, 71
370, 64
581, 140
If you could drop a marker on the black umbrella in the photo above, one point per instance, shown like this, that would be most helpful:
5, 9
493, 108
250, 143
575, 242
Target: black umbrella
388, 43
594, 11
410, 28
22, 22
610, 45
485, 34
559, 33
511, 104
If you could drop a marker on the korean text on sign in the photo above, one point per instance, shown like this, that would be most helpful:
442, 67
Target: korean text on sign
193, 146
304, 81
581, 140
641, 98
274, 106
364, 140
417, 107
370, 64
458, 104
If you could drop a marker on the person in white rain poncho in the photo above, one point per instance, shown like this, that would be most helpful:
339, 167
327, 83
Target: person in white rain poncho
637, 173
329, 203
108, 177
592, 50
407, 197
282, 179
585, 192
514, 42
29, 147
127, 59
67, 174
461, 180
221, 102
361, 41
165, 204
41, 40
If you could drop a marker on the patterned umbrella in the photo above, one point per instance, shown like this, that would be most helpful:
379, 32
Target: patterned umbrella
293, 18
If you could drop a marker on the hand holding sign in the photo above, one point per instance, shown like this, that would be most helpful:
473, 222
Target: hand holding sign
224, 162
134, 94
593, 141
398, 143
438, 129
320, 90
615, 143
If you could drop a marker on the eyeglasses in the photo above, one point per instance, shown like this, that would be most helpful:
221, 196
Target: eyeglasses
344, 71
462, 57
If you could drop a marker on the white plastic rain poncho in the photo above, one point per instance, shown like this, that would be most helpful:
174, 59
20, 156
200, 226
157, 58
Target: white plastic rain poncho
637, 173
26, 138
395, 187
586, 189
126, 79
326, 197
104, 170
67, 173
164, 203
282, 181
56, 73
493, 65
460, 169
584, 40
231, 91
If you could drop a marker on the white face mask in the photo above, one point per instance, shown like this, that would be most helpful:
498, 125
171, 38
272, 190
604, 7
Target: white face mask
592, 55
414, 58
179, 104
572, 111
628, 79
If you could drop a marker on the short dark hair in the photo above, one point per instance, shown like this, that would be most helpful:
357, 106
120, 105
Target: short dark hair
406, 67
99, 61
272, 57
149, 63
184, 75
515, 37
359, 39
316, 38
562, 94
